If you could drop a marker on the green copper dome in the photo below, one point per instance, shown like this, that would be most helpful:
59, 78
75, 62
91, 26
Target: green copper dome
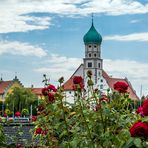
92, 36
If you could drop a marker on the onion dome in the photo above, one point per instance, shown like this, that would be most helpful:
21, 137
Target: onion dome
92, 36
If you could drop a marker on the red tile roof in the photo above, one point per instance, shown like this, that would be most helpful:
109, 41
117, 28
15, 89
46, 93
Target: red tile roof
111, 81
4, 85
37, 91
68, 85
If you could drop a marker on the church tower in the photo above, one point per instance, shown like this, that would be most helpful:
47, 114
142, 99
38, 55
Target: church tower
92, 61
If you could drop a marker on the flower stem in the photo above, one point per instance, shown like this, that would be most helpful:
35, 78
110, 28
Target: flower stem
82, 114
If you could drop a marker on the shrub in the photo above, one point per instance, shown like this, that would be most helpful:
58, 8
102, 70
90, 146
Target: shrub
94, 121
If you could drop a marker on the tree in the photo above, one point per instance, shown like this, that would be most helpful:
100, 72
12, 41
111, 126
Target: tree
20, 98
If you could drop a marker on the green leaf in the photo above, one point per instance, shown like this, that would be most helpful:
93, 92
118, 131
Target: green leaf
128, 143
74, 143
63, 134
145, 119
137, 142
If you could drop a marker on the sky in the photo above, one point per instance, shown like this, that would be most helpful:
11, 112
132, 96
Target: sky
46, 37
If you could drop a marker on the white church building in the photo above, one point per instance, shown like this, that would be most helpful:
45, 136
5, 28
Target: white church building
93, 62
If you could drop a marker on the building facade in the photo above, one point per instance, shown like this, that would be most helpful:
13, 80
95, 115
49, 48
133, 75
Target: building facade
93, 62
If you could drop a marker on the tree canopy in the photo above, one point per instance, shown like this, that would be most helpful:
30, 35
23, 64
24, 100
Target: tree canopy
20, 98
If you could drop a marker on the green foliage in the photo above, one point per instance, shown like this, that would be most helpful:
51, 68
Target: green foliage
90, 122
19, 99
2, 137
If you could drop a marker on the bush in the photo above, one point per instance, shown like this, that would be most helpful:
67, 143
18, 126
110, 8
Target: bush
94, 121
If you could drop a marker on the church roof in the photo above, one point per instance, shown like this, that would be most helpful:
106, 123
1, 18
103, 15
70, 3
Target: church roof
92, 36
68, 85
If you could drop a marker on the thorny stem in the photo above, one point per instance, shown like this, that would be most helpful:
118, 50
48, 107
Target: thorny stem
65, 120
82, 114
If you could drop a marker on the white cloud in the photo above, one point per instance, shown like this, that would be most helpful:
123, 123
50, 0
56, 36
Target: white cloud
129, 37
14, 14
136, 72
20, 48
58, 66
135, 21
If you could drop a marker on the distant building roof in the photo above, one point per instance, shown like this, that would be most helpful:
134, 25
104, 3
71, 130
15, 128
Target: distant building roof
37, 91
5, 85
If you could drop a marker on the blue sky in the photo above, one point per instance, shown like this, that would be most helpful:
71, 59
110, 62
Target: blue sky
46, 36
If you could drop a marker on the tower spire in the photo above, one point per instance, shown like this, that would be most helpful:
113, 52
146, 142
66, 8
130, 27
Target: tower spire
15, 76
1, 77
92, 18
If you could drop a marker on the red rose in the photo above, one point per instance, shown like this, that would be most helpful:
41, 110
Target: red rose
19, 145
52, 88
77, 79
5, 115
139, 129
145, 101
38, 130
45, 91
34, 118
121, 87
51, 97
140, 111
78, 83
145, 107
17, 114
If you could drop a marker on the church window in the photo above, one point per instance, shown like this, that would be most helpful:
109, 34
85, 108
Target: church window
95, 46
101, 80
95, 55
99, 65
89, 64
89, 54
89, 46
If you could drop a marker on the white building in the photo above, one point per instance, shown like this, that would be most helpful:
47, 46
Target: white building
93, 61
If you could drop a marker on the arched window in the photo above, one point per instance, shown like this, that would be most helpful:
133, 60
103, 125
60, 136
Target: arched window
99, 65
89, 54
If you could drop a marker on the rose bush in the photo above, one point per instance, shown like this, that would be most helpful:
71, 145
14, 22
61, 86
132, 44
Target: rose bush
139, 129
92, 121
